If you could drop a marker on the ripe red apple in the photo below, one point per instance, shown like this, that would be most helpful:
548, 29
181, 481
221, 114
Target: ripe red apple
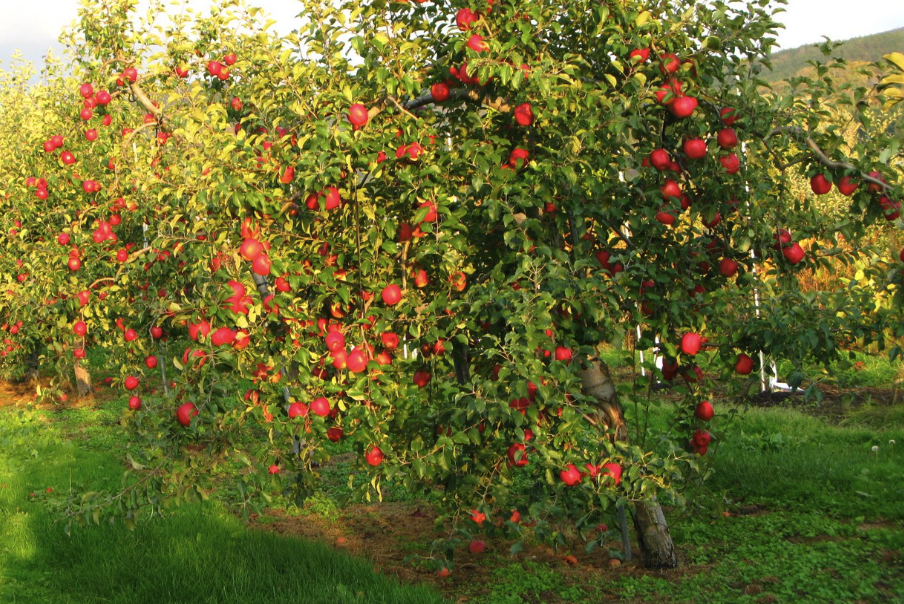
131, 382
524, 115
185, 412
223, 336
744, 364
251, 249
639, 55
156, 332
357, 115
671, 91
517, 455
214, 68
704, 411
890, 209
683, 106
373, 456
134, 403
728, 267
660, 159
198, 330
335, 341
570, 475
390, 340
695, 148
476, 43
820, 184
261, 265
230, 59
670, 189
440, 91
90, 135
63, 239
793, 252
421, 378
729, 116
288, 176
334, 434
477, 546
130, 335
298, 410
563, 354
83, 297
873, 187
665, 217
442, 573
320, 406
846, 186
80, 328
86, 90
356, 361
669, 63
727, 138
131, 74
690, 343
391, 294
67, 158
730, 162
465, 18
612, 469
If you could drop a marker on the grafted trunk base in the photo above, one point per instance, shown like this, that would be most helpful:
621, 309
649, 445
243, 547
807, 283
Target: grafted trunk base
656, 547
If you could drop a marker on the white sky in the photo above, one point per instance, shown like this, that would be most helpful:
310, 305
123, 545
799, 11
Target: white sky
32, 26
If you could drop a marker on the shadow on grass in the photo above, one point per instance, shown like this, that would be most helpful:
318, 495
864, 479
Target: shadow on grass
199, 554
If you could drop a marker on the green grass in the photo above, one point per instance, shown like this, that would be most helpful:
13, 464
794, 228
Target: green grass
199, 553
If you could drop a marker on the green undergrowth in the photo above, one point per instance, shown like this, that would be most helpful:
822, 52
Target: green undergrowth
197, 553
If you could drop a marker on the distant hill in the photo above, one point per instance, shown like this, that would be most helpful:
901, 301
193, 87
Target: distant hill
788, 63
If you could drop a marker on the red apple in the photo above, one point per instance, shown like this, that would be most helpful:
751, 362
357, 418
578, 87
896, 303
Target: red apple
670, 189
660, 159
563, 354
794, 253
156, 332
744, 364
477, 546
131, 382
728, 267
704, 411
683, 106
612, 469
80, 328
390, 340
440, 91
695, 148
846, 186
820, 184
730, 162
639, 55
476, 43
373, 456
356, 361
570, 475
729, 116
298, 410
517, 455
357, 115
421, 378
524, 115
727, 138
134, 403
391, 294
185, 412
320, 406
465, 18
261, 265
690, 343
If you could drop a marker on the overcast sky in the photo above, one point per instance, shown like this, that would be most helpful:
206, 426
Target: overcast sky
33, 26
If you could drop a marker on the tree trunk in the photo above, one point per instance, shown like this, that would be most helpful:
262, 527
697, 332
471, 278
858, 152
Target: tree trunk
82, 380
656, 547
31, 366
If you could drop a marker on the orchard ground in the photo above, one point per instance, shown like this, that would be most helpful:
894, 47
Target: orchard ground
805, 504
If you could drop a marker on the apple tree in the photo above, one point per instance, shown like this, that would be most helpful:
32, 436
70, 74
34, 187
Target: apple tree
408, 227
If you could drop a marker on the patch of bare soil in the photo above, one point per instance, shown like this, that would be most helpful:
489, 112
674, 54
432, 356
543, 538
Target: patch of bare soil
397, 537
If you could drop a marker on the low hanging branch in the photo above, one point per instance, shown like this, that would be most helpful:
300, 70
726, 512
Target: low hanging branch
824, 159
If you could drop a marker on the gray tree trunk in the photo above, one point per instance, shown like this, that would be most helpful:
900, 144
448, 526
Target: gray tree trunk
656, 547
82, 380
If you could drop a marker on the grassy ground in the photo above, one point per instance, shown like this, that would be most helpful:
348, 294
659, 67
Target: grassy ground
199, 554
805, 504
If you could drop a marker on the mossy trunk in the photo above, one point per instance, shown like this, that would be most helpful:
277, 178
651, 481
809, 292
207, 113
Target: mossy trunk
656, 547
